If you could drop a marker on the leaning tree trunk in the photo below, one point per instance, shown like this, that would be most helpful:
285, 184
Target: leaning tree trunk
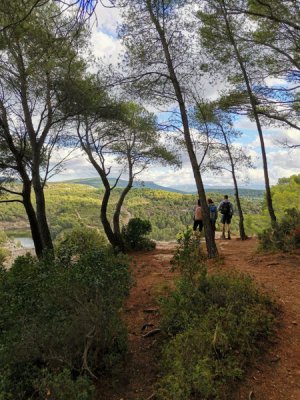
243, 235
103, 216
256, 117
113, 239
212, 250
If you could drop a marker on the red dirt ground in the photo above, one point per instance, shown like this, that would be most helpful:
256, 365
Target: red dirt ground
275, 376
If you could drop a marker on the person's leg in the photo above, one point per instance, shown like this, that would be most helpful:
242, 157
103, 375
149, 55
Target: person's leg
228, 230
200, 226
195, 225
223, 226
229, 237
223, 232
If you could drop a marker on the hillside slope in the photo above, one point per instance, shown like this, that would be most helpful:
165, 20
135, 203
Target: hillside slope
72, 205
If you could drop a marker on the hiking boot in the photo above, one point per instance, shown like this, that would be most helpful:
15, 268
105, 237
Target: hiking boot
223, 236
229, 237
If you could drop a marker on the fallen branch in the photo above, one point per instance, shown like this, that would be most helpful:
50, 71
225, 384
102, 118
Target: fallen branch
152, 333
89, 341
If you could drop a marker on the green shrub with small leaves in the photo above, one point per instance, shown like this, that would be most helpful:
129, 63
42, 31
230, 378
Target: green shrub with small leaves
63, 386
216, 324
79, 241
134, 235
284, 235
58, 315
188, 259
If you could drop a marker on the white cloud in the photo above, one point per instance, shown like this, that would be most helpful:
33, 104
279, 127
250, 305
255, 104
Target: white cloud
107, 18
106, 47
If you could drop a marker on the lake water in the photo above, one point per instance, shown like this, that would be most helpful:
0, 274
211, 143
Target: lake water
25, 242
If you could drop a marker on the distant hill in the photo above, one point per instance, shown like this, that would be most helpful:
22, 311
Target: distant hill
96, 182
244, 192
182, 189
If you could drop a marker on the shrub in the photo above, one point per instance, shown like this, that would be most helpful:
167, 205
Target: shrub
79, 241
134, 235
56, 315
189, 258
62, 386
284, 235
216, 323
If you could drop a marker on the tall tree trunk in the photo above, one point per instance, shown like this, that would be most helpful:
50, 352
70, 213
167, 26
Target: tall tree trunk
243, 235
117, 213
36, 147
31, 215
26, 190
41, 209
103, 214
255, 113
113, 239
212, 250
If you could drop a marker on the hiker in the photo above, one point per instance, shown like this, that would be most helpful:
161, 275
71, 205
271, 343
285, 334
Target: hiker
213, 213
226, 209
198, 217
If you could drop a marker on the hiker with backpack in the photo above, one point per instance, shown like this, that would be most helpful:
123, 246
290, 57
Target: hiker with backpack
226, 209
198, 222
213, 213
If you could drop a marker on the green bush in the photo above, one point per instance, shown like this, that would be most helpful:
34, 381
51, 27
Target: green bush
56, 315
79, 241
284, 235
134, 235
189, 259
62, 386
216, 324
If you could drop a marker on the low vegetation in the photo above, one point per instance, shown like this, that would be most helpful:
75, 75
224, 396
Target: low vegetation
60, 323
284, 235
79, 241
217, 325
134, 235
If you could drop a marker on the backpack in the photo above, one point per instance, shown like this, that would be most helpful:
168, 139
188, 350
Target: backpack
225, 208
198, 213
213, 212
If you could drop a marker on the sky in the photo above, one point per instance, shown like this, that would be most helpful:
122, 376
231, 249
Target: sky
281, 162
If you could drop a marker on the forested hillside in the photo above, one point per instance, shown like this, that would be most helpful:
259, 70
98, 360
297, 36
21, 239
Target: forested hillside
72, 205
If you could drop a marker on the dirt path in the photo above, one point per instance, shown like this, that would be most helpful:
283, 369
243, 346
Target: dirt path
276, 376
